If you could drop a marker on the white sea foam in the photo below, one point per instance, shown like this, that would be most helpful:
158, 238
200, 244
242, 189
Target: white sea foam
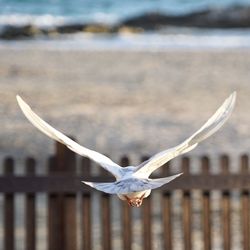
171, 39
24, 19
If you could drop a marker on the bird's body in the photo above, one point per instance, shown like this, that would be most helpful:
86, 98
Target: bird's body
132, 182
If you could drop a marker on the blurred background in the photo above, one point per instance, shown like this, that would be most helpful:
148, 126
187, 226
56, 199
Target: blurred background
123, 77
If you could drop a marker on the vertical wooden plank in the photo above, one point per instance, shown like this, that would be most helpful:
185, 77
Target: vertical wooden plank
86, 209
62, 206
226, 220
167, 213
30, 225
55, 212
69, 224
245, 207
106, 218
66, 163
9, 209
126, 217
147, 216
206, 208
186, 202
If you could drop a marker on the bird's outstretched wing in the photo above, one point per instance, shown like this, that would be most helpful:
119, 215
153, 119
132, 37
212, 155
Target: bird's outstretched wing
210, 127
43, 126
130, 185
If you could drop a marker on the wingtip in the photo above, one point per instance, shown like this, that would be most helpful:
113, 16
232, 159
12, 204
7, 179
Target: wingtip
19, 100
233, 97
23, 105
88, 183
234, 94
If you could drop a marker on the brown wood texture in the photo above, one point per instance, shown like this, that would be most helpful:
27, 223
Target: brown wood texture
8, 208
126, 217
86, 208
55, 208
206, 207
167, 213
186, 203
226, 213
106, 218
30, 218
62, 185
146, 219
62, 207
245, 206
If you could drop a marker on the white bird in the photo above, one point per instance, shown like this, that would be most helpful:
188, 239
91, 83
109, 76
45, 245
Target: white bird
132, 182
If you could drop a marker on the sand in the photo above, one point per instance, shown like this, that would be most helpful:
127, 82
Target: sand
123, 102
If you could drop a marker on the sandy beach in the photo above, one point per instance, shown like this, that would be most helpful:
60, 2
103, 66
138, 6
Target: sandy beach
123, 102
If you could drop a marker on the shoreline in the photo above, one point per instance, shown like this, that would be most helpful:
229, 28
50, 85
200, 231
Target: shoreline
184, 40
228, 17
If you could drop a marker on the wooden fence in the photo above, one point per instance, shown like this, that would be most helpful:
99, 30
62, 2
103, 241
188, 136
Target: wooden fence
62, 186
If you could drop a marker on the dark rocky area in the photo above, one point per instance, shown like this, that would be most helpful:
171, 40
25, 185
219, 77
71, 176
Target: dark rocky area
233, 17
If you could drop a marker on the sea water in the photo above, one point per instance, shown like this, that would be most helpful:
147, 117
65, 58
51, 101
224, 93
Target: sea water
59, 12
46, 12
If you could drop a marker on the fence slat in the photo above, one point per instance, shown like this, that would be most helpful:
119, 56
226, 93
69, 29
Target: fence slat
126, 217
146, 210
86, 209
55, 208
187, 222
106, 218
69, 202
166, 213
226, 218
62, 206
9, 209
206, 215
245, 207
147, 230
30, 237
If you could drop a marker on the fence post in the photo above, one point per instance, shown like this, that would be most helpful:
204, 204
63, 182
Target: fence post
106, 217
62, 207
30, 239
86, 208
167, 212
9, 209
206, 216
245, 205
226, 221
146, 213
186, 201
126, 217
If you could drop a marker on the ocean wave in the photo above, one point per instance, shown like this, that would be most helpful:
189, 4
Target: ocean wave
186, 39
37, 20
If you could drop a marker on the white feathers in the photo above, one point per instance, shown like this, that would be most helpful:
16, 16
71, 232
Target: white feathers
134, 179
131, 185
44, 127
210, 127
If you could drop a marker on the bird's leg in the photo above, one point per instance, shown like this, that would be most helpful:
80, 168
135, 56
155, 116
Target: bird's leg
135, 202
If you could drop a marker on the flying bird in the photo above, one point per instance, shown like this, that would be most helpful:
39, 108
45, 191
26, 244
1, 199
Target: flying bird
132, 182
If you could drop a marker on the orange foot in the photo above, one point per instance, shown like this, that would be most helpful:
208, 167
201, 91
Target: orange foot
135, 202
